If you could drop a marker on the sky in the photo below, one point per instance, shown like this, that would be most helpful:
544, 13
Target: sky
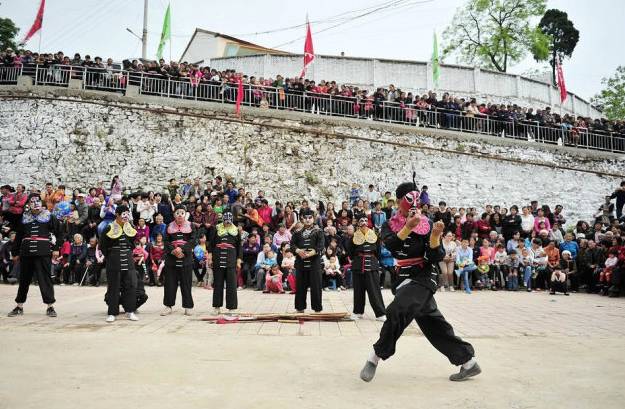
98, 27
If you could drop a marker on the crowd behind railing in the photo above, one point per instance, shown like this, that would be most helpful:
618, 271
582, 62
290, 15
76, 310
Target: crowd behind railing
190, 81
506, 248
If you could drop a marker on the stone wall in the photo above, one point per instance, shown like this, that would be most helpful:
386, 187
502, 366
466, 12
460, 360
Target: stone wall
80, 137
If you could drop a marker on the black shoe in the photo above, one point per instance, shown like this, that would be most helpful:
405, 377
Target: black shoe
465, 374
16, 311
50, 312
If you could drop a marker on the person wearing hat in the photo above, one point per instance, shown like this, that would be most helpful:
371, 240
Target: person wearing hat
116, 244
180, 240
33, 243
416, 244
225, 256
364, 251
308, 245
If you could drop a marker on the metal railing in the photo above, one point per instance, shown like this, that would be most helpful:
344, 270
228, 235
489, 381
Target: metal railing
319, 104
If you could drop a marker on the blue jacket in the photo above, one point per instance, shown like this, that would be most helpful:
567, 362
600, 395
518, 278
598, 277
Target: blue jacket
571, 246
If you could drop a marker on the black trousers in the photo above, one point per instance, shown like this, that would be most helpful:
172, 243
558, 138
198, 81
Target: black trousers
303, 280
121, 287
142, 297
228, 276
38, 267
414, 301
175, 277
367, 282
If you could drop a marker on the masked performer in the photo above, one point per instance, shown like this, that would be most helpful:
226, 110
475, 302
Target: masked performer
363, 250
416, 245
225, 255
307, 244
180, 239
116, 243
33, 243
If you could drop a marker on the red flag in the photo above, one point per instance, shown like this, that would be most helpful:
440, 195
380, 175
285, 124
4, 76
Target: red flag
561, 84
309, 53
239, 95
37, 24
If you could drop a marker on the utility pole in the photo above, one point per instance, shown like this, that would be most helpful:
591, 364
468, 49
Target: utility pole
144, 38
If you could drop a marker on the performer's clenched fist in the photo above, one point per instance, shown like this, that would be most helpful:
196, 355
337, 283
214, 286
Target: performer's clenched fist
438, 228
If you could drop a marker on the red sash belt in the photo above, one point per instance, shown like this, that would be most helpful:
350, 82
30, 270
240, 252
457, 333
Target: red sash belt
410, 262
224, 246
178, 243
37, 238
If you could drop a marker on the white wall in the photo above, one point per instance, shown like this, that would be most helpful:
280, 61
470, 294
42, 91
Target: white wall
488, 86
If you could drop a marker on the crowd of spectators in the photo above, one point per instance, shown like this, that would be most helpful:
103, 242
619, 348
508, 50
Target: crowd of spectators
328, 97
531, 247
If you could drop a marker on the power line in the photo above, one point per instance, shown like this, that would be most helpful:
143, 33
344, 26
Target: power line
397, 4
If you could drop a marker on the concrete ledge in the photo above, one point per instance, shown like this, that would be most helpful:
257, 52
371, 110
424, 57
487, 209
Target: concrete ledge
75, 84
24, 81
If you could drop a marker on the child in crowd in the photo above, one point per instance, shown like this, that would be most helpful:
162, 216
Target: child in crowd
139, 257
200, 260
514, 266
605, 276
332, 271
483, 270
264, 267
500, 266
273, 280
288, 269
57, 266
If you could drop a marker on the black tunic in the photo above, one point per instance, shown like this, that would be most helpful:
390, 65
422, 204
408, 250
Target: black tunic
219, 244
118, 251
186, 241
308, 239
365, 256
33, 239
415, 245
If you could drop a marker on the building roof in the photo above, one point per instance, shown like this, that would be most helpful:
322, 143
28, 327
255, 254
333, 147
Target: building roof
247, 44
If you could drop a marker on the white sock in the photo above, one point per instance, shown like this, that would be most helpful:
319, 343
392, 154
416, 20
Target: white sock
469, 364
373, 358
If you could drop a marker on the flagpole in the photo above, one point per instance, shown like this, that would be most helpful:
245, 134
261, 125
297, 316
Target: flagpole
169, 7
39, 46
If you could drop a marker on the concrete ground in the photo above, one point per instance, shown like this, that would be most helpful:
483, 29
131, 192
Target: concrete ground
536, 351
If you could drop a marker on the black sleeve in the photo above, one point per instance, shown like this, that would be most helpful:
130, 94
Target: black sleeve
19, 236
56, 228
320, 242
390, 239
349, 248
210, 242
105, 241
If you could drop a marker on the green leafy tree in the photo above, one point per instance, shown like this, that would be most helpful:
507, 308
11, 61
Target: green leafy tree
496, 34
8, 31
611, 100
562, 34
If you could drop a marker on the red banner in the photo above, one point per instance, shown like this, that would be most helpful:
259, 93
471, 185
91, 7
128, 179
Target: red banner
561, 84
37, 24
309, 53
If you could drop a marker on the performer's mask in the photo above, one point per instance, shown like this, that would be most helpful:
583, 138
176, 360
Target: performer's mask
179, 214
125, 216
410, 202
362, 222
35, 203
308, 220
227, 218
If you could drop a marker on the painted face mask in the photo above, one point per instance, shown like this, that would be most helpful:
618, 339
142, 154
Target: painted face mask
308, 220
362, 222
410, 202
179, 214
227, 217
125, 216
35, 203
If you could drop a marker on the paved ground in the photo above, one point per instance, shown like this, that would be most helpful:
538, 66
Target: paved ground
536, 351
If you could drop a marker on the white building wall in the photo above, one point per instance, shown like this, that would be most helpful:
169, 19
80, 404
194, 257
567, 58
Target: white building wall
468, 82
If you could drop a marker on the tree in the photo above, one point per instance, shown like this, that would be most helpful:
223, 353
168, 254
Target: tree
496, 33
563, 37
8, 31
611, 100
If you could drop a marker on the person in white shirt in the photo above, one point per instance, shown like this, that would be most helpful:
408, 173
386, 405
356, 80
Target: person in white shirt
527, 222
373, 196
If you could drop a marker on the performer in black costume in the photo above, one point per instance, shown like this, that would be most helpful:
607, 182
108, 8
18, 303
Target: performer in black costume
34, 246
116, 243
363, 250
307, 244
416, 245
225, 256
180, 239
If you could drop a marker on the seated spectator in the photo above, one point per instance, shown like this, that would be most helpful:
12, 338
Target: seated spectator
465, 264
273, 280
332, 272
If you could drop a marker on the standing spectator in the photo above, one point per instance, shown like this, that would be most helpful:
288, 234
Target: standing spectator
373, 196
116, 188
619, 194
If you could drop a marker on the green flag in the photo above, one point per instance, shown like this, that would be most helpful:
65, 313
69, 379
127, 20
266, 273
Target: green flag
435, 67
165, 34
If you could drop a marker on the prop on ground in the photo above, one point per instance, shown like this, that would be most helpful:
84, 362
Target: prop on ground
289, 318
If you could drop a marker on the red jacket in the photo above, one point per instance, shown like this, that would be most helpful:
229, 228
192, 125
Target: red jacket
17, 203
